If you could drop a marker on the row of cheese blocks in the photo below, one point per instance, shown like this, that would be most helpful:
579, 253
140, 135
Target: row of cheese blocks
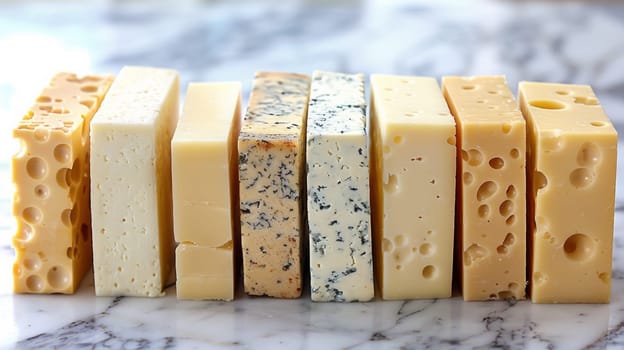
454, 174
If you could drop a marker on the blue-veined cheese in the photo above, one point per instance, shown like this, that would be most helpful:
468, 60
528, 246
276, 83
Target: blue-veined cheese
341, 262
271, 148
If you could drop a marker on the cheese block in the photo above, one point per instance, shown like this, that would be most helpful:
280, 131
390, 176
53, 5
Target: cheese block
271, 162
133, 247
341, 261
413, 185
205, 272
491, 203
51, 176
204, 170
572, 171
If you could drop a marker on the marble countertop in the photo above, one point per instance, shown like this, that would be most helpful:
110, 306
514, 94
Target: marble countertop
555, 41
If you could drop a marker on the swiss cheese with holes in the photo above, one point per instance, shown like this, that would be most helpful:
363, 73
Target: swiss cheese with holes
572, 171
133, 246
51, 175
413, 186
491, 204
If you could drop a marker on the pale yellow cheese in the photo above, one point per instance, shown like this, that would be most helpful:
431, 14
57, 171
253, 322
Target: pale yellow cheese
491, 204
51, 176
271, 163
205, 191
572, 169
205, 272
133, 246
413, 187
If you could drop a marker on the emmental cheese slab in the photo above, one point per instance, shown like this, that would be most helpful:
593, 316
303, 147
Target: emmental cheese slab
51, 176
204, 162
133, 246
338, 201
572, 171
491, 204
271, 148
413, 184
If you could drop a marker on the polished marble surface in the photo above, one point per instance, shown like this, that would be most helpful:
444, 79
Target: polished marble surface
557, 41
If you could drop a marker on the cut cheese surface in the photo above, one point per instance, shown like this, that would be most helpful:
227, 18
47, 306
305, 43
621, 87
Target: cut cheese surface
271, 148
51, 176
413, 173
341, 261
204, 162
491, 202
205, 272
133, 247
572, 170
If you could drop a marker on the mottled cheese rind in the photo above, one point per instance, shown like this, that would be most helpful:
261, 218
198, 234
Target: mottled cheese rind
51, 176
271, 148
491, 202
133, 246
572, 171
338, 205
204, 167
413, 187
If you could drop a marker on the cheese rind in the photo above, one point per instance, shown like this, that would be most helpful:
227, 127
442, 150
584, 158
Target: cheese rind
133, 247
491, 207
51, 176
271, 148
205, 191
341, 262
572, 172
413, 186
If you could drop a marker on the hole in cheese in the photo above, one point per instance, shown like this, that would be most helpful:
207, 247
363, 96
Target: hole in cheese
581, 178
547, 104
579, 247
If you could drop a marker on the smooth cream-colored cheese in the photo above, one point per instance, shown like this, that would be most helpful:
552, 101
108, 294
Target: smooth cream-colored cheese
133, 247
205, 191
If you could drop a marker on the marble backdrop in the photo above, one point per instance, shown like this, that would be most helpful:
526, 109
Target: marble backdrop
555, 41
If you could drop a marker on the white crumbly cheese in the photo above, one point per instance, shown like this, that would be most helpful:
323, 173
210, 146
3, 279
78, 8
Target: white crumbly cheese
131, 183
341, 263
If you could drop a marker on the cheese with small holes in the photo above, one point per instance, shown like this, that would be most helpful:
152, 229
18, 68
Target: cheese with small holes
413, 186
271, 148
204, 170
133, 246
491, 208
341, 260
51, 176
572, 170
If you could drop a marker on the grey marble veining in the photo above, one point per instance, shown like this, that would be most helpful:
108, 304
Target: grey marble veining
555, 41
